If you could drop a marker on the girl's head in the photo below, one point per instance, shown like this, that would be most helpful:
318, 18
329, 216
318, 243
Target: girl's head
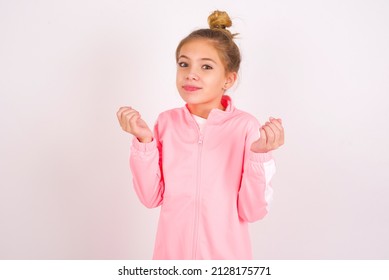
221, 39
207, 64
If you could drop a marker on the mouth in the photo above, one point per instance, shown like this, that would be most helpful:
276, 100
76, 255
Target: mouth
190, 88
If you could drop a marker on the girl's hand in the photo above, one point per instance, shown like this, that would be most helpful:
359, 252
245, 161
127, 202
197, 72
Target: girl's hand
272, 137
131, 122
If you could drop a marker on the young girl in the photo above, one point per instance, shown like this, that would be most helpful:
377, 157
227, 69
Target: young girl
207, 164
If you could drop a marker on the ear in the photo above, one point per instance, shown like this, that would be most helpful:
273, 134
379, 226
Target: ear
230, 80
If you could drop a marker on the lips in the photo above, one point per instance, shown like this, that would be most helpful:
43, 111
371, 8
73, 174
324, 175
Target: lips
190, 88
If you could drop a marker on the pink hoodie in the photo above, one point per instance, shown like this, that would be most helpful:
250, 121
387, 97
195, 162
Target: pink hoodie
209, 185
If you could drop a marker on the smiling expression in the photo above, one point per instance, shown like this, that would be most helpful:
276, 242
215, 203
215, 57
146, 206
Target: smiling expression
201, 77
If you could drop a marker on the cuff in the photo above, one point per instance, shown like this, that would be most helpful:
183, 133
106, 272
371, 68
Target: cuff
260, 157
143, 147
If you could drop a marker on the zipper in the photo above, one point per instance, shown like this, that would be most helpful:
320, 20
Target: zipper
197, 197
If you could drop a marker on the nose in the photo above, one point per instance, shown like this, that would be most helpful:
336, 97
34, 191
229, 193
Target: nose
192, 76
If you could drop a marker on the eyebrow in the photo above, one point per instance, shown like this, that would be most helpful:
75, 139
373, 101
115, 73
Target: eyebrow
205, 58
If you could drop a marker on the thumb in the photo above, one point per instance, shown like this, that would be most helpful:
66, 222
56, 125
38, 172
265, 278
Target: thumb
259, 145
262, 137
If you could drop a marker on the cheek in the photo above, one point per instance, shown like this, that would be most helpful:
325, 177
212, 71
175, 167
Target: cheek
179, 79
217, 81
180, 74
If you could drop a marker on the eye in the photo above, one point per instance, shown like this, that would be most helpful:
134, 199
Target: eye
182, 64
206, 67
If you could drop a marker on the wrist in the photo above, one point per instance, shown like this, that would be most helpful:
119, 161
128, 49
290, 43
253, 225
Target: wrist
259, 151
145, 139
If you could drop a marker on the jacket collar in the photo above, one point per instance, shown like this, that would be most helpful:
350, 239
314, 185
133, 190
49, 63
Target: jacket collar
217, 116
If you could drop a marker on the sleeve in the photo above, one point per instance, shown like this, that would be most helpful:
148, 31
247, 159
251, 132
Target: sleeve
255, 193
145, 165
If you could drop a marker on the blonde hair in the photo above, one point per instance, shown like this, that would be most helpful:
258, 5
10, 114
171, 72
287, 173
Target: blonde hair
221, 38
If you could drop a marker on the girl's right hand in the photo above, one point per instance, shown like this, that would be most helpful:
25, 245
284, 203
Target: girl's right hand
131, 122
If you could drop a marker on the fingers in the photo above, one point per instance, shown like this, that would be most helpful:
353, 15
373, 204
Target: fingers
270, 135
279, 129
262, 138
274, 132
276, 122
120, 113
130, 120
122, 109
127, 118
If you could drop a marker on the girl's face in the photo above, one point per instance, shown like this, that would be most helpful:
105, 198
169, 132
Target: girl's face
201, 77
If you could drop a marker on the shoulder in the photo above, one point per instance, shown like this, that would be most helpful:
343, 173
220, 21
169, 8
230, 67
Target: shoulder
170, 121
246, 118
248, 124
170, 114
172, 117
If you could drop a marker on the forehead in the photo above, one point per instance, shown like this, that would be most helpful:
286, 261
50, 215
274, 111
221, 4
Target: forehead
200, 48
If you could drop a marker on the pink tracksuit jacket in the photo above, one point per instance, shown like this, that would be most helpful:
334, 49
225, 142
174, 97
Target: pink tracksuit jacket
209, 185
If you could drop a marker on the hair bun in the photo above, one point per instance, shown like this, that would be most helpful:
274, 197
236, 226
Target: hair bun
219, 20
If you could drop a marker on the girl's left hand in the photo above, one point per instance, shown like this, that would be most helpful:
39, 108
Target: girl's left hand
272, 137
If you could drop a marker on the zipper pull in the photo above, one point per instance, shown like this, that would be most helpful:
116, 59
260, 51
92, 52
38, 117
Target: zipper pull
201, 139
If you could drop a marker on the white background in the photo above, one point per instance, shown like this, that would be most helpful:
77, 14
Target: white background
67, 66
